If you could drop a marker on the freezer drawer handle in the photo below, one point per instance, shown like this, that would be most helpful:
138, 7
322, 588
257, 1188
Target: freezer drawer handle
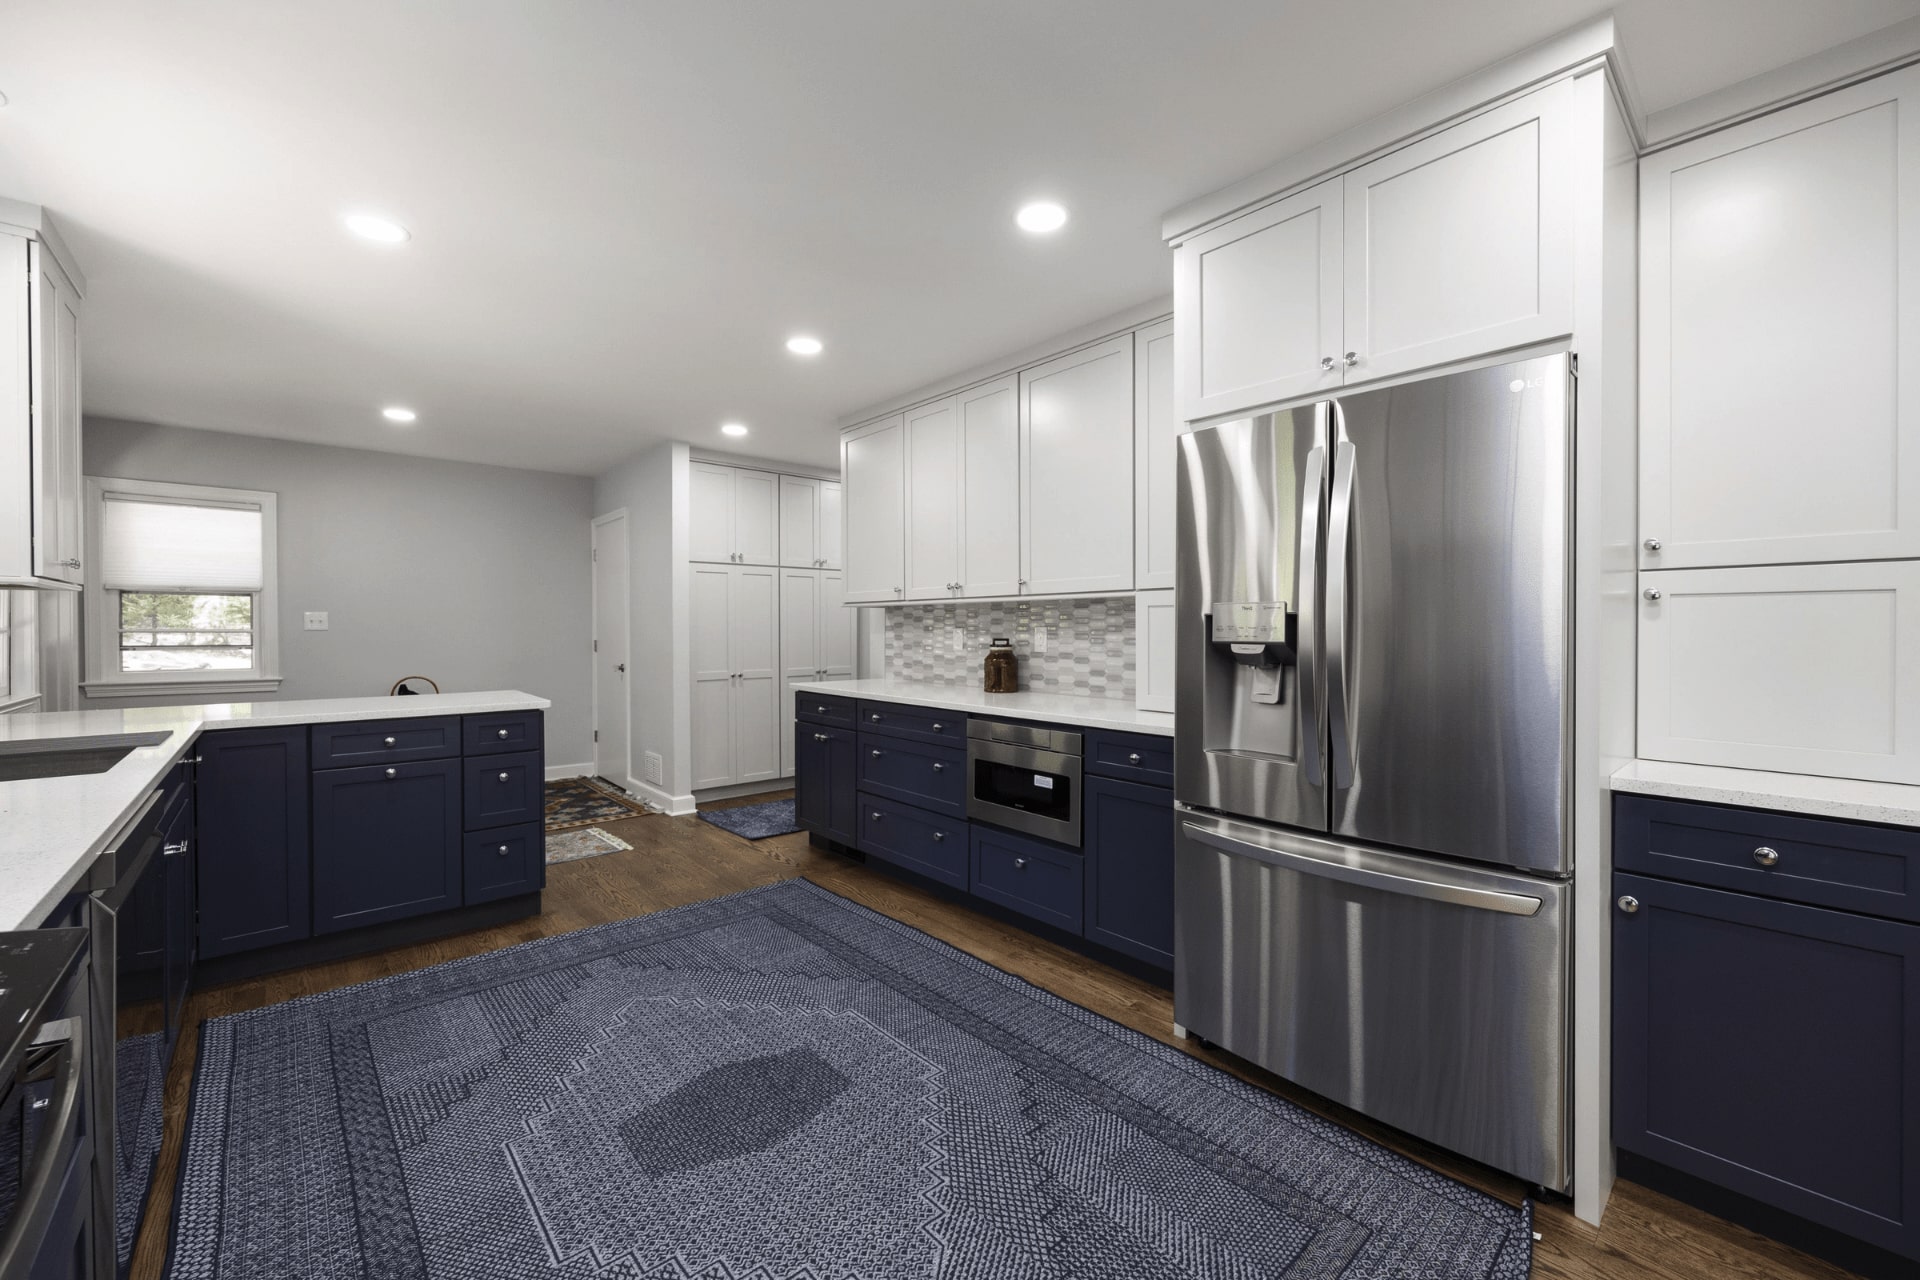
1513, 904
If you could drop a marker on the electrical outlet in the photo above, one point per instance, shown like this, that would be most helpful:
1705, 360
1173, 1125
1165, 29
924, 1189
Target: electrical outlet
316, 622
1039, 639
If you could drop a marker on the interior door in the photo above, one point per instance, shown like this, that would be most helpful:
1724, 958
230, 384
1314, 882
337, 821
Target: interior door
753, 612
612, 719
800, 656
710, 605
1446, 614
1251, 511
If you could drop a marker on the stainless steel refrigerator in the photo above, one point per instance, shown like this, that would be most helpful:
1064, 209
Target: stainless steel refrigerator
1372, 856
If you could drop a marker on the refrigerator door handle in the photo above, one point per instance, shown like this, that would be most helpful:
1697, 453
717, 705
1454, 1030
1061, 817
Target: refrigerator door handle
1313, 725
1339, 530
1273, 851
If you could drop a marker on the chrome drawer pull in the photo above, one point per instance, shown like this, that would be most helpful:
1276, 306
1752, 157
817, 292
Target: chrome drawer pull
389, 741
1629, 903
393, 773
1019, 864
823, 737
938, 727
503, 851
938, 767
874, 718
875, 753
503, 733
1133, 758
505, 776
878, 815
1766, 856
939, 835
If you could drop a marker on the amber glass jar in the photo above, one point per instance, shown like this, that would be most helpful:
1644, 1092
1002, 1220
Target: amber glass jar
1003, 669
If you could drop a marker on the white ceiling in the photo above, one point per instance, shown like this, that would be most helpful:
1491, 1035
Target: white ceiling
621, 208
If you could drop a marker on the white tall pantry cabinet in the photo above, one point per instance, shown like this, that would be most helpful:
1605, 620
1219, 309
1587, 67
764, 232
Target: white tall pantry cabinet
735, 611
1780, 440
40, 471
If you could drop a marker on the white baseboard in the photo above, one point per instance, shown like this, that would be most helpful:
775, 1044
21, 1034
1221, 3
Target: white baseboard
660, 798
555, 772
738, 789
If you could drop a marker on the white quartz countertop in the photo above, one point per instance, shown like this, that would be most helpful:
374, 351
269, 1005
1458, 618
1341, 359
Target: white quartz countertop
1056, 708
51, 829
1886, 802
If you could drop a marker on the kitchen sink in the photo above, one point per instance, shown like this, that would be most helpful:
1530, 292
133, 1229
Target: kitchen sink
70, 757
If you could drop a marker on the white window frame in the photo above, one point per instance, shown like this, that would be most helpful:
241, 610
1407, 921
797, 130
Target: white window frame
102, 615
19, 636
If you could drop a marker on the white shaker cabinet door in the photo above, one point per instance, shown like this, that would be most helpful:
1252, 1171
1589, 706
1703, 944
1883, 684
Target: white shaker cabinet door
56, 428
1153, 631
830, 525
710, 517
1461, 244
990, 488
1780, 336
799, 522
801, 610
710, 609
1794, 668
837, 622
1156, 432
753, 638
933, 500
1076, 448
873, 482
1258, 304
756, 516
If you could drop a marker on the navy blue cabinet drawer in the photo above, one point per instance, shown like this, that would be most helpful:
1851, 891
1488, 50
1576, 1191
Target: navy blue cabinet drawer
504, 790
358, 742
1132, 756
1818, 861
1035, 879
501, 731
932, 777
934, 846
1770, 1049
922, 724
505, 862
824, 708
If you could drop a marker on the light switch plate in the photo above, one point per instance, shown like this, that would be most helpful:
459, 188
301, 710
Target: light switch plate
1039, 639
316, 622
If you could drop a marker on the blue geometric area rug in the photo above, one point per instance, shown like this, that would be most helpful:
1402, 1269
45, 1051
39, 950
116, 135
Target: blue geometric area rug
754, 821
777, 1085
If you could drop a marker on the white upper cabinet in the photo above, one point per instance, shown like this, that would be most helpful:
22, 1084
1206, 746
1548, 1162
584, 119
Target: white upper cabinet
1156, 430
837, 622
830, 525
933, 500
1794, 668
990, 490
873, 478
1259, 304
1780, 336
40, 470
1076, 449
1461, 244
735, 516
799, 522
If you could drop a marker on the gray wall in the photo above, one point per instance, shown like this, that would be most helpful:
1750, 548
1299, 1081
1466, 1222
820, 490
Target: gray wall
477, 576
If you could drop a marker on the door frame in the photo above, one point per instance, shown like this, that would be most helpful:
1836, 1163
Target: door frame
593, 666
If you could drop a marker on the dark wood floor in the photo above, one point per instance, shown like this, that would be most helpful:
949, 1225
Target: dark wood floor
675, 861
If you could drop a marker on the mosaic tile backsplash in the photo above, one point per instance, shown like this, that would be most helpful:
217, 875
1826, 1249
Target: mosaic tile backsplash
1089, 643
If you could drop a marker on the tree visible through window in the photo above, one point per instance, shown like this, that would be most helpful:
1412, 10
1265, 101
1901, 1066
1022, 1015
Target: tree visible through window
181, 632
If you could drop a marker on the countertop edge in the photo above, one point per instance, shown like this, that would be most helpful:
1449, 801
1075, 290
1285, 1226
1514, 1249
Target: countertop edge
1848, 799
1126, 718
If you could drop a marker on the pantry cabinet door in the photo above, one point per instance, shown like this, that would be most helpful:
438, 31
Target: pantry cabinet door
830, 525
1461, 244
756, 516
1795, 668
753, 604
873, 481
710, 607
990, 489
799, 522
1076, 449
710, 517
800, 656
933, 500
1156, 433
1258, 303
1780, 303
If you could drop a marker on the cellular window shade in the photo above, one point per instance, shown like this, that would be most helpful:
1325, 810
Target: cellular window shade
151, 545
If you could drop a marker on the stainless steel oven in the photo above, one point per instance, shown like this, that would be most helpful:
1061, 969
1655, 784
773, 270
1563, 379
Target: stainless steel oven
1024, 778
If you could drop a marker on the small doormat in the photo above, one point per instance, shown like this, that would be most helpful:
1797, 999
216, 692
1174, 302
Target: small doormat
754, 821
589, 842
581, 802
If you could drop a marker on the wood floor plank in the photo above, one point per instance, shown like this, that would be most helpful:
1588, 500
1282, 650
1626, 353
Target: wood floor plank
675, 861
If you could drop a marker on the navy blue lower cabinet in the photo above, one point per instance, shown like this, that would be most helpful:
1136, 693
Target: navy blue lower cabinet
919, 774
505, 790
928, 843
253, 852
1771, 1049
824, 781
386, 842
504, 862
1127, 842
1026, 875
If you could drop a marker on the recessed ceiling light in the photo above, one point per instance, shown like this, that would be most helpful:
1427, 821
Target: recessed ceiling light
732, 429
1041, 217
371, 226
801, 345
395, 413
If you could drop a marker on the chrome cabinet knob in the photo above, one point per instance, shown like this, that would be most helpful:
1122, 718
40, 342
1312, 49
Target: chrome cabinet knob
1628, 903
939, 835
503, 732
821, 710
1652, 544
1652, 593
877, 815
1353, 358
1766, 856
71, 564
823, 737
1133, 757
938, 767
875, 753
874, 718
1019, 864
938, 727
393, 773
505, 776
1022, 582
1326, 362
389, 741
503, 851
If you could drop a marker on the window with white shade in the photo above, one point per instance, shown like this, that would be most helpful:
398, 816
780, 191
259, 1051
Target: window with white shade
183, 593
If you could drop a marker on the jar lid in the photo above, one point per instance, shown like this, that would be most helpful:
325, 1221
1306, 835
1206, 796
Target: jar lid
1001, 642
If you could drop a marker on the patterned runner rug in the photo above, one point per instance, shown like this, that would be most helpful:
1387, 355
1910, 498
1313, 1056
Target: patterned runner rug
779, 1085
